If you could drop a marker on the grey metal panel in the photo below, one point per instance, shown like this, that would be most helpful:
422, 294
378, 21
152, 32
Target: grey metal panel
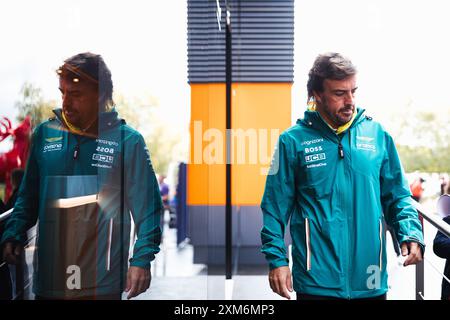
255, 58
249, 47
207, 225
262, 37
207, 234
215, 256
240, 80
259, 64
258, 68
249, 41
250, 224
201, 38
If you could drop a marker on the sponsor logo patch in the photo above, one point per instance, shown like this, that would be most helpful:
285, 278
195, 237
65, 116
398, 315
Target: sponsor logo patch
366, 146
54, 139
315, 157
102, 158
107, 142
311, 142
368, 139
313, 149
105, 149
52, 147
322, 164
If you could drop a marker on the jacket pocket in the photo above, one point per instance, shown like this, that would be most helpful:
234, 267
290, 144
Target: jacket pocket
317, 185
369, 261
323, 254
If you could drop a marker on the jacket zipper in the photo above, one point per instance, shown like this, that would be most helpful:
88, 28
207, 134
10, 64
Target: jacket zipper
349, 266
308, 245
341, 156
76, 152
340, 150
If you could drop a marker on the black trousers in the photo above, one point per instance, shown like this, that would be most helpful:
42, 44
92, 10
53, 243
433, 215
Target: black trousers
5, 283
302, 296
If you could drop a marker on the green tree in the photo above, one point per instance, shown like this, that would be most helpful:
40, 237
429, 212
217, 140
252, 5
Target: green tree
32, 103
164, 147
423, 141
164, 141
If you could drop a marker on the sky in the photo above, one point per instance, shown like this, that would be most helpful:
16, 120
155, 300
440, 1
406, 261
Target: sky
144, 43
400, 48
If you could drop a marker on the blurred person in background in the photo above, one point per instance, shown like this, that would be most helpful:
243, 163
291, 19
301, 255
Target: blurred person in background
441, 247
417, 188
16, 180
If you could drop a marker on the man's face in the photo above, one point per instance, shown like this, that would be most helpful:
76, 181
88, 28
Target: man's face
336, 103
79, 102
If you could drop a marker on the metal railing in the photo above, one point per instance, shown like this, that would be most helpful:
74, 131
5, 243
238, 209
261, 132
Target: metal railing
6, 214
431, 218
444, 228
3, 217
21, 279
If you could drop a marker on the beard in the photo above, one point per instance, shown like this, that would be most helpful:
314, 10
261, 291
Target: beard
341, 116
72, 116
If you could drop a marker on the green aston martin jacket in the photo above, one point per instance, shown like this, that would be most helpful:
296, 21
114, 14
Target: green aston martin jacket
337, 192
83, 192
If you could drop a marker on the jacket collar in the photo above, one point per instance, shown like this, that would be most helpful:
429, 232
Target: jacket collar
107, 120
314, 120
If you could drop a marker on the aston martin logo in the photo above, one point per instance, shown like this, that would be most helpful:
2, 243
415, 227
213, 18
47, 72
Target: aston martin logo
53, 139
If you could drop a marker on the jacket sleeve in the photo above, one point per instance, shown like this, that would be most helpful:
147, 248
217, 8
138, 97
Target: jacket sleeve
441, 244
396, 199
278, 202
144, 201
26, 208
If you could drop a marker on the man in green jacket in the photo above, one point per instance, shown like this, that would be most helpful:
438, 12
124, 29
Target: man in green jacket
337, 179
87, 172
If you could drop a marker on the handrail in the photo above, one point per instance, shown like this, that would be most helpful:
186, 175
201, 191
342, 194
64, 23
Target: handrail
6, 214
435, 269
19, 276
3, 216
431, 218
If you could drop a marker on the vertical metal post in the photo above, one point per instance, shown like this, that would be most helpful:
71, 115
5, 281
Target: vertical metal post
420, 281
420, 272
228, 207
122, 282
20, 281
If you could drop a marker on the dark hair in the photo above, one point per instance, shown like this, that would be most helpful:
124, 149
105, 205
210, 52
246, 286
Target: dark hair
16, 177
330, 65
90, 67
